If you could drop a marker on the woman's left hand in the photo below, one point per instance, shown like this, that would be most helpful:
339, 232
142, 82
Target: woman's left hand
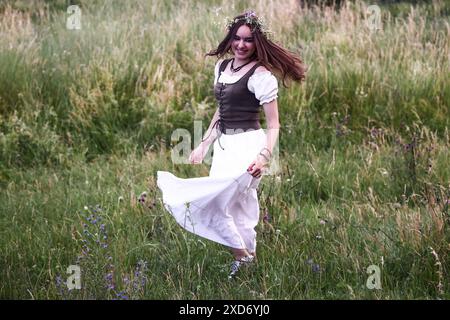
257, 166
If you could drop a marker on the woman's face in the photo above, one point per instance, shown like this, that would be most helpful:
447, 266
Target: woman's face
243, 43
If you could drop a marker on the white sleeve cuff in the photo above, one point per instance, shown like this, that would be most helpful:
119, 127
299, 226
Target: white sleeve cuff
264, 85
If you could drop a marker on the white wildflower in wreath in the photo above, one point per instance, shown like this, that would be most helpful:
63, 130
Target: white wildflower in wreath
253, 21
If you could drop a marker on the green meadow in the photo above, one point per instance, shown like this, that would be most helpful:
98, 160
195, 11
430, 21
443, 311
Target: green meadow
86, 117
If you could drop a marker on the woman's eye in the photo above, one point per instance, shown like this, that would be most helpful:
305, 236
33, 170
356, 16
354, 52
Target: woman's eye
246, 40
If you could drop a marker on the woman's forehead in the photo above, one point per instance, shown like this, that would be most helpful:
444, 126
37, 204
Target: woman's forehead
244, 31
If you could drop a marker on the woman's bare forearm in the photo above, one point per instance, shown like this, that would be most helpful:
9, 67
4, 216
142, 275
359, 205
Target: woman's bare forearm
273, 124
211, 133
272, 137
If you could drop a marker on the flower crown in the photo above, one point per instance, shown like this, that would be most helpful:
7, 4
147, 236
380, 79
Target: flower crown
251, 19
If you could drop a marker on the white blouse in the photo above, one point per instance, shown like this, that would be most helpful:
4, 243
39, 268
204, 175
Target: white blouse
263, 84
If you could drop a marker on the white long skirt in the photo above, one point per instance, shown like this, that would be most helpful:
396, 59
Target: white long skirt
222, 207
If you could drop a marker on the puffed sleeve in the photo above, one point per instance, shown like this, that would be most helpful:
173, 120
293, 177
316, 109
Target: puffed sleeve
216, 70
264, 85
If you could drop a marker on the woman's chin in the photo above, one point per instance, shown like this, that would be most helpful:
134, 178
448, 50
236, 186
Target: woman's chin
242, 56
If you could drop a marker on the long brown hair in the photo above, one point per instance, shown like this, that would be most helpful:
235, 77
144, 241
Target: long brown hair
281, 61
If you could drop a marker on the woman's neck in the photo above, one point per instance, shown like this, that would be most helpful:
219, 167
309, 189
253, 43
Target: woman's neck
239, 62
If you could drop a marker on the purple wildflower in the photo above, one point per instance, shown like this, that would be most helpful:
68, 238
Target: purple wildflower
122, 295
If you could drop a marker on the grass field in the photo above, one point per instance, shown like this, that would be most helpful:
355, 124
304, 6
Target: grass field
86, 118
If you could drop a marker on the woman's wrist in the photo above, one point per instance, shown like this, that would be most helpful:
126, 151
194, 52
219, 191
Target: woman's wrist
266, 153
263, 159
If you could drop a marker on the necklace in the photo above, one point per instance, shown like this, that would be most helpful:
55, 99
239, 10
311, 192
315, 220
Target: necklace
233, 69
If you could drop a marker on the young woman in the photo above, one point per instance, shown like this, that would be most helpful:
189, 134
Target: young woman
224, 207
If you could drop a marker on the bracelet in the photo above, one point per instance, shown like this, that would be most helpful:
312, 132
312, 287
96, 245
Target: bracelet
268, 160
265, 148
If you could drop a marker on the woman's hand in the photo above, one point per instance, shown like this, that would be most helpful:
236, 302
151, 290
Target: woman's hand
198, 154
257, 167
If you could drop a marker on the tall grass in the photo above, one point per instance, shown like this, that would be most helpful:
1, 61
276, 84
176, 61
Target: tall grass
86, 118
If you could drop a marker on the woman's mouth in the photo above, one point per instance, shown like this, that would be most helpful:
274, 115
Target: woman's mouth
241, 51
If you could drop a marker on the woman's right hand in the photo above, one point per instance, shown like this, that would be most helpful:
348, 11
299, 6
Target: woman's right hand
198, 154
